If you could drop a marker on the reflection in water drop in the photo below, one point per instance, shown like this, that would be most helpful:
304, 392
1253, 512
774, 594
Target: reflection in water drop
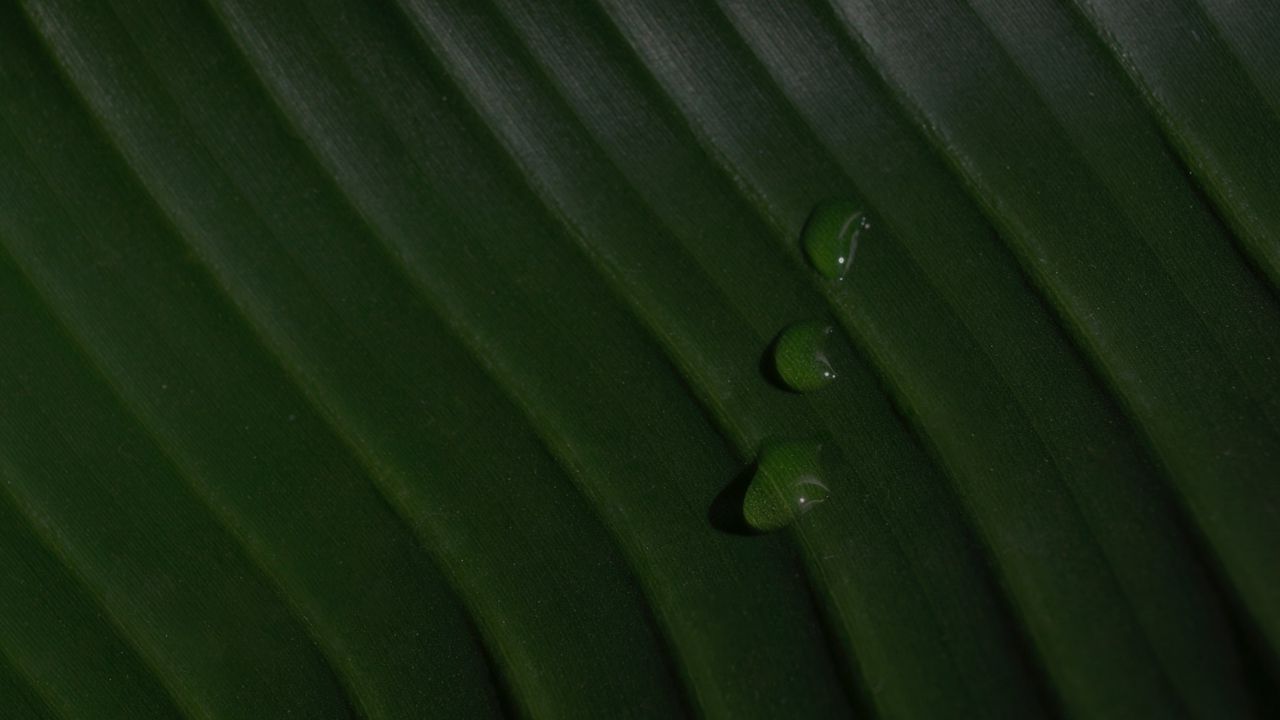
800, 356
788, 482
830, 236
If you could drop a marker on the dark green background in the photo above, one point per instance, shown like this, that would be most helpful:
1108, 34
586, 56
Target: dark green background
407, 359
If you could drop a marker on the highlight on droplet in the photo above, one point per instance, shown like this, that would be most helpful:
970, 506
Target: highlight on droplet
800, 356
788, 482
831, 234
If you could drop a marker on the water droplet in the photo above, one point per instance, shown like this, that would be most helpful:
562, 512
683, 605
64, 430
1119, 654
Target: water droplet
788, 482
800, 356
830, 236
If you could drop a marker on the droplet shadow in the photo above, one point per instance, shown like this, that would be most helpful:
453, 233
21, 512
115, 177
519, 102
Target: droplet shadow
726, 513
769, 368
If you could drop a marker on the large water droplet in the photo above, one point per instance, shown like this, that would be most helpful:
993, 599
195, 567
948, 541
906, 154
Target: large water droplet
830, 236
800, 356
788, 482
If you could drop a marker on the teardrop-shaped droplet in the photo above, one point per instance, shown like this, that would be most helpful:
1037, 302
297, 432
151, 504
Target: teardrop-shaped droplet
788, 482
830, 236
800, 356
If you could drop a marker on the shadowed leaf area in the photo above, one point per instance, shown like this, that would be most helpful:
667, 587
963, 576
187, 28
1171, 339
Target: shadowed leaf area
639, 358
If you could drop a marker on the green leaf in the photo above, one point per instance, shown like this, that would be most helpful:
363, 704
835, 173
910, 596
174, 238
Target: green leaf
415, 358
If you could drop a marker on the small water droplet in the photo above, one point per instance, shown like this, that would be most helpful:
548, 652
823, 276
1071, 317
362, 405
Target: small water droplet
788, 482
830, 236
800, 356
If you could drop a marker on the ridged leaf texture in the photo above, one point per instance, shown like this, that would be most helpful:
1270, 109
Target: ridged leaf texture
430, 358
